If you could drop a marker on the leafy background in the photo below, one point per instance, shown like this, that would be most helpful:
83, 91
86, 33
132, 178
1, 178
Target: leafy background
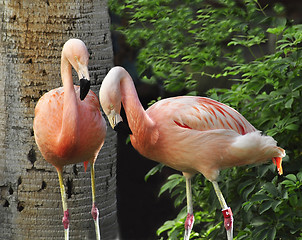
255, 51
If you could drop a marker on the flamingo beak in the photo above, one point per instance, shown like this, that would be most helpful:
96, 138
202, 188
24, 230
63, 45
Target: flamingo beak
117, 123
114, 118
123, 128
83, 74
84, 88
278, 162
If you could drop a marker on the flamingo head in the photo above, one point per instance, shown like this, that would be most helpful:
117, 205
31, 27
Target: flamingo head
116, 121
77, 54
110, 97
111, 105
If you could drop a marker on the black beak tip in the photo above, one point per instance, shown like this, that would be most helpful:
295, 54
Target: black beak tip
84, 88
122, 127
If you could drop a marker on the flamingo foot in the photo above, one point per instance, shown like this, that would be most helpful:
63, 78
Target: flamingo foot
188, 225
228, 222
95, 216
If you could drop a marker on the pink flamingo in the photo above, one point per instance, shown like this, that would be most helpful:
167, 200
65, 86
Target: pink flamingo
69, 129
190, 134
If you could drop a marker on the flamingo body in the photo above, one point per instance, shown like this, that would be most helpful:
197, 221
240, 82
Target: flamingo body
189, 134
196, 134
90, 132
68, 125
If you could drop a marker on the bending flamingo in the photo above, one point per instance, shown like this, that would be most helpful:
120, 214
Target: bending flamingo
69, 127
189, 134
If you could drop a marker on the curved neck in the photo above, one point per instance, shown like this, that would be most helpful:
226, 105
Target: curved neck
66, 75
138, 119
69, 118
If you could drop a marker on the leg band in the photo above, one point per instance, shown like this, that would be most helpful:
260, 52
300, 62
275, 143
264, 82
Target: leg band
228, 218
65, 219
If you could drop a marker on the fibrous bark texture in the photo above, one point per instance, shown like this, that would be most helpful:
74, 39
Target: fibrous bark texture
32, 33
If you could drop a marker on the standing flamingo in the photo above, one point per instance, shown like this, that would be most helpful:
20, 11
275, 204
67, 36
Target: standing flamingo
189, 134
69, 129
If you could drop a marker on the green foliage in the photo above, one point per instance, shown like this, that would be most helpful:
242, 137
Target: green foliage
179, 42
177, 39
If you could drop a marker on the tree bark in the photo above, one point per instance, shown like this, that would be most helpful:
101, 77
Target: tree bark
32, 34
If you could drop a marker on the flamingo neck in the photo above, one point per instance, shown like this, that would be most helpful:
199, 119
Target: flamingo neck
69, 119
137, 117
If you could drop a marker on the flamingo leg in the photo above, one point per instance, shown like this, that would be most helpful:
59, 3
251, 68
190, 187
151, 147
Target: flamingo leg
190, 217
94, 209
227, 213
65, 219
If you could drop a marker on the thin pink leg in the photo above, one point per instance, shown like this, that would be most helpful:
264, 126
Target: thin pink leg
94, 209
227, 212
190, 217
65, 219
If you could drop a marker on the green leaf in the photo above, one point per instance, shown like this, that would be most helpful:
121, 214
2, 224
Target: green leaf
297, 83
258, 221
271, 188
247, 205
129, 6
291, 177
263, 169
275, 102
292, 127
154, 170
248, 191
245, 184
276, 204
260, 197
289, 103
167, 225
299, 176
288, 183
277, 30
262, 234
293, 199
173, 181
265, 205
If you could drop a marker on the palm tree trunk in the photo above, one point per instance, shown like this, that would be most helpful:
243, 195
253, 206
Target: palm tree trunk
32, 34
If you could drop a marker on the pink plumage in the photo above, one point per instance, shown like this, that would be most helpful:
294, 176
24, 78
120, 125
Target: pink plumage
75, 148
68, 125
189, 134
198, 134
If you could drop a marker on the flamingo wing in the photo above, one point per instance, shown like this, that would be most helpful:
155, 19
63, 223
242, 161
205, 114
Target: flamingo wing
202, 114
